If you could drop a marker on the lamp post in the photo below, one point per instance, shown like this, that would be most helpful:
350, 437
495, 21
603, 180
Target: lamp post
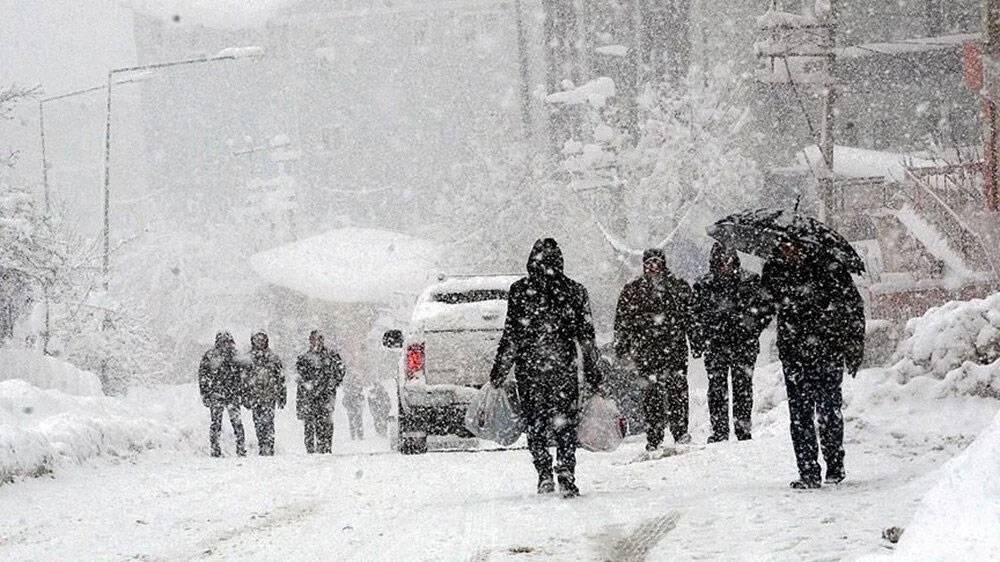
45, 173
234, 53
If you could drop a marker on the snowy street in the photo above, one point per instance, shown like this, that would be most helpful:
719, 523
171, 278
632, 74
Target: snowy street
725, 501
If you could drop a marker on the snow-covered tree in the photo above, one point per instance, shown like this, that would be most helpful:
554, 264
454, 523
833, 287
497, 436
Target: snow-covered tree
686, 169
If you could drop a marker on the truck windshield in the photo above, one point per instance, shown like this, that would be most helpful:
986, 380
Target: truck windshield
475, 295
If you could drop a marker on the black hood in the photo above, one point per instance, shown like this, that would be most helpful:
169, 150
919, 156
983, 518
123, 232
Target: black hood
222, 339
546, 260
720, 256
259, 341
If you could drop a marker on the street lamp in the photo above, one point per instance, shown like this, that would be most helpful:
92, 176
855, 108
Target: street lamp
231, 53
41, 126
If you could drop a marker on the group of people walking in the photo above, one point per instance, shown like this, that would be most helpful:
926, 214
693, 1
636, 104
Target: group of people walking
660, 320
228, 381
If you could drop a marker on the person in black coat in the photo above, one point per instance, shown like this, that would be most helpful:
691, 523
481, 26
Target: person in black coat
264, 390
821, 335
320, 370
653, 322
548, 321
729, 314
221, 385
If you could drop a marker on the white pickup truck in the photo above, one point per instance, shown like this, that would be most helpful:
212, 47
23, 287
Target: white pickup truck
448, 351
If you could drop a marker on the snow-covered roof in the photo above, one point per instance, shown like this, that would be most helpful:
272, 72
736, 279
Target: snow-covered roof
473, 283
595, 92
851, 162
906, 46
351, 265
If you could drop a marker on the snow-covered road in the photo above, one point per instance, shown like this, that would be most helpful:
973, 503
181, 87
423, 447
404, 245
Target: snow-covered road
726, 501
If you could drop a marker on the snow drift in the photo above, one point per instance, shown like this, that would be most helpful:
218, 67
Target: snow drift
47, 373
958, 344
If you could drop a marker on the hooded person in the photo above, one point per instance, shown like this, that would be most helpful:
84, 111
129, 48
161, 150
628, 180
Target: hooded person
730, 313
652, 326
821, 336
320, 371
220, 384
264, 390
548, 326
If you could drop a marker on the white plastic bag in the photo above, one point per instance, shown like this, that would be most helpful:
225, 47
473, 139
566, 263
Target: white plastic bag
602, 426
491, 415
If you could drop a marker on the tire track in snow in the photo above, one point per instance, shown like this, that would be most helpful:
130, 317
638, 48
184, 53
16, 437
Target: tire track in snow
280, 517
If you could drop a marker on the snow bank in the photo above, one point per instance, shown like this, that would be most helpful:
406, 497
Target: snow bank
959, 518
957, 343
46, 372
42, 429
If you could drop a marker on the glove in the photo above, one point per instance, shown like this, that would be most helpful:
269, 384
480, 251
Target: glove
495, 383
852, 367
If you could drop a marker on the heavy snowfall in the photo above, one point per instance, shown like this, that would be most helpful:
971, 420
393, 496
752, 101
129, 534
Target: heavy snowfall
499, 280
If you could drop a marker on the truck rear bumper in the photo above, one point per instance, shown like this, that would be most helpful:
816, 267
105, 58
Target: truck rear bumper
434, 409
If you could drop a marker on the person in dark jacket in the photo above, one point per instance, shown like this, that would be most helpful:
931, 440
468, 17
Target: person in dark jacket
729, 315
652, 326
220, 383
264, 390
320, 371
821, 335
548, 323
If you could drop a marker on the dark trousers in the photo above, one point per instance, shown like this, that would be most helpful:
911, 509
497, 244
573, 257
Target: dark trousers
550, 410
319, 432
814, 392
215, 428
720, 371
263, 422
356, 422
665, 401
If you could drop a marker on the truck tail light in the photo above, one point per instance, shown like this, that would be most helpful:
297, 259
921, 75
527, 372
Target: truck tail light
414, 360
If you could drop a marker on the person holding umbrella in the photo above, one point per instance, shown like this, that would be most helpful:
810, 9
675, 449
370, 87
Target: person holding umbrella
821, 325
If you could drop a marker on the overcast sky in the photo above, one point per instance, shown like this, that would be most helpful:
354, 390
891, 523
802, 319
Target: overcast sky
63, 44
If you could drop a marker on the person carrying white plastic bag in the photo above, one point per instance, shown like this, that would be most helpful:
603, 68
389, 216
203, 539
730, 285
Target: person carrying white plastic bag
492, 415
602, 426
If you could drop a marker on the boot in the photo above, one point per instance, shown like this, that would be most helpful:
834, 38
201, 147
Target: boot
567, 485
717, 438
545, 484
835, 476
804, 484
683, 439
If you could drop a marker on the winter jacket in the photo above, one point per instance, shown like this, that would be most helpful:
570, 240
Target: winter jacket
730, 311
820, 313
548, 316
653, 322
264, 380
320, 373
220, 378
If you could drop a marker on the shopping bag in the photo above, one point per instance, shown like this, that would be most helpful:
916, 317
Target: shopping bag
492, 415
602, 426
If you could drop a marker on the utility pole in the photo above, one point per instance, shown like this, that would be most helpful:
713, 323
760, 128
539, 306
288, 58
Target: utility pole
524, 62
827, 180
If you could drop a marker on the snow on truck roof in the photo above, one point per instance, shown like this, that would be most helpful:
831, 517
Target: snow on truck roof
472, 283
351, 265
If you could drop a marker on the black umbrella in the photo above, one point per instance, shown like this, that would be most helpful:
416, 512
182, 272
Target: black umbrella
760, 232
